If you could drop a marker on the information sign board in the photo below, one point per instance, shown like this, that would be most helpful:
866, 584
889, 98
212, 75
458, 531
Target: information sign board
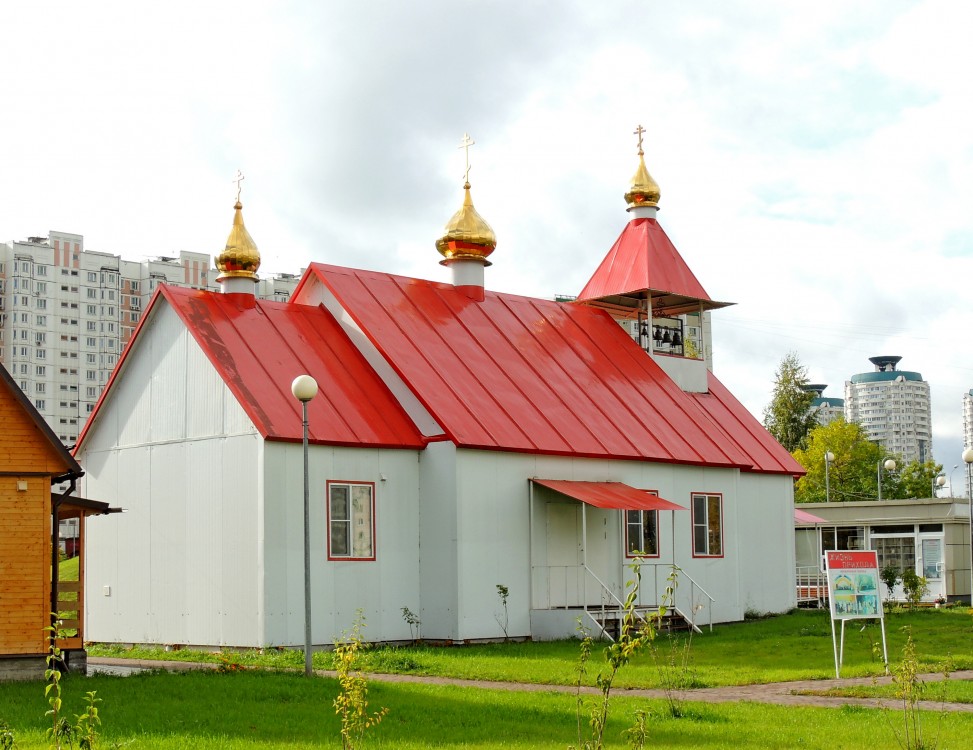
853, 589
853, 594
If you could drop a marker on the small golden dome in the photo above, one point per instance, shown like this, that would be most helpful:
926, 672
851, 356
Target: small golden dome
240, 259
644, 191
467, 235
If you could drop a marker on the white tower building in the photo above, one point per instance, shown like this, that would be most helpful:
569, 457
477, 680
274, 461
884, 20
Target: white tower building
893, 407
827, 408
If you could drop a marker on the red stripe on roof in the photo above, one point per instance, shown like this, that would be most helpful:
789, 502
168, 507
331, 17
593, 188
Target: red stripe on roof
643, 257
615, 495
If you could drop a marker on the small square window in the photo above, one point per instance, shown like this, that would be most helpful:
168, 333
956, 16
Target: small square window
351, 521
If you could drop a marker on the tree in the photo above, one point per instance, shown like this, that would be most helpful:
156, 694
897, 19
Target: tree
853, 475
916, 479
788, 416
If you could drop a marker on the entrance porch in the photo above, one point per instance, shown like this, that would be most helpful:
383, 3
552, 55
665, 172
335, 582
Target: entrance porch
588, 541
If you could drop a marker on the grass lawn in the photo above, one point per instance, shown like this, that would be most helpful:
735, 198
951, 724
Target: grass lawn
796, 646
263, 710
953, 691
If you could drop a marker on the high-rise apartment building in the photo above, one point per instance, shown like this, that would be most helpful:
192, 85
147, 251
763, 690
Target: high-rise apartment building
826, 408
893, 407
66, 314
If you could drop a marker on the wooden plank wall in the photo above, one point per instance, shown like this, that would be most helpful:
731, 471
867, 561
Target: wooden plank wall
25, 564
23, 447
25, 520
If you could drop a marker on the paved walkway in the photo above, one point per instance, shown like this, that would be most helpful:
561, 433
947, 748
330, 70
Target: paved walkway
781, 693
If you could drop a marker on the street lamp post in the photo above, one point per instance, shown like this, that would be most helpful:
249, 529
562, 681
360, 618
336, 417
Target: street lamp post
889, 466
938, 483
304, 389
951, 485
828, 458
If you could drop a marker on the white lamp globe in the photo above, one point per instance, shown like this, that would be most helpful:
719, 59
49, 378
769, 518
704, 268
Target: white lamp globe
304, 388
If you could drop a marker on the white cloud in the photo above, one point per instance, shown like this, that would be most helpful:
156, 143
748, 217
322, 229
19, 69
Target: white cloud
814, 160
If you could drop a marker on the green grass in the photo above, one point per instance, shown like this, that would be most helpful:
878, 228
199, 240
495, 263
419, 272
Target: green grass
265, 710
952, 691
796, 646
68, 570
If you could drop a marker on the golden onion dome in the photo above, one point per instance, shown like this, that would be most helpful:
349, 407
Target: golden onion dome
240, 259
644, 191
467, 235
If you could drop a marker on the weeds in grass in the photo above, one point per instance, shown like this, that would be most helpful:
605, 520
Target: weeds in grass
503, 620
909, 689
636, 632
228, 662
62, 733
412, 620
87, 723
638, 733
60, 730
6, 736
351, 703
674, 663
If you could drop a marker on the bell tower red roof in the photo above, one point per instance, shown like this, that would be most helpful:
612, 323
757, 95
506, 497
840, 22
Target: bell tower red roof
644, 264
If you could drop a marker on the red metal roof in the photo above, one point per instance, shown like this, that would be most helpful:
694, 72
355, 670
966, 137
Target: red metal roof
802, 516
258, 347
616, 495
537, 376
740, 426
643, 258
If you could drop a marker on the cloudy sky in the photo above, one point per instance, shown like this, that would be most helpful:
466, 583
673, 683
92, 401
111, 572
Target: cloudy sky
815, 159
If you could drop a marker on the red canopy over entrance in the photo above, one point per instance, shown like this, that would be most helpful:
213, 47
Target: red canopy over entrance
616, 495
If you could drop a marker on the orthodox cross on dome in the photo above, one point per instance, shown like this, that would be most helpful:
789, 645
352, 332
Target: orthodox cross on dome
238, 179
638, 131
465, 144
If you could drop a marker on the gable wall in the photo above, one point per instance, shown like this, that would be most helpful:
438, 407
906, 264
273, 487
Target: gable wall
23, 447
173, 448
168, 390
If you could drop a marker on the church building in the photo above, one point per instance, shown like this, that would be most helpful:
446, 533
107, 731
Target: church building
463, 442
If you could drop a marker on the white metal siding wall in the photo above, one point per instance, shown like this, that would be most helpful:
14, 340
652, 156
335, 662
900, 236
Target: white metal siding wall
438, 554
380, 588
493, 517
181, 564
767, 551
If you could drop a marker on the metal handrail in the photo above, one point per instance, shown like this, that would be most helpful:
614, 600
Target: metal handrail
669, 568
607, 595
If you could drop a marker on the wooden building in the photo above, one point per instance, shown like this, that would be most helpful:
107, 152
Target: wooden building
32, 460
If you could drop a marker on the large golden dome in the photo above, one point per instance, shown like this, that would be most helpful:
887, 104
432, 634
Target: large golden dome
644, 191
240, 259
467, 235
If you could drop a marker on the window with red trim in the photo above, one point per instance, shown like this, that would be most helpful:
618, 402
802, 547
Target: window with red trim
707, 525
641, 533
351, 521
